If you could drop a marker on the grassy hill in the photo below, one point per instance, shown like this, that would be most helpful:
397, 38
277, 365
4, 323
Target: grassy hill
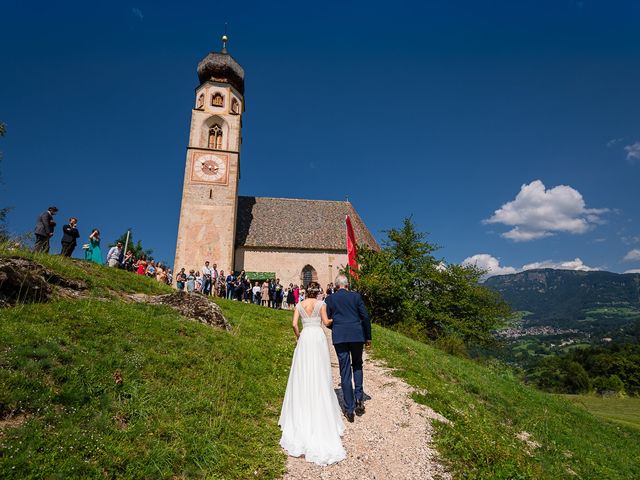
195, 402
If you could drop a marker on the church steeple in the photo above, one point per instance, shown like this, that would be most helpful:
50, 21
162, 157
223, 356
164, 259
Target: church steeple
212, 170
222, 67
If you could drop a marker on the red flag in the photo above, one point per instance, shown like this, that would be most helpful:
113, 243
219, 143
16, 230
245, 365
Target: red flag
351, 248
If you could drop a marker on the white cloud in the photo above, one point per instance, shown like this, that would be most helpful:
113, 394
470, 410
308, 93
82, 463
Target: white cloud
489, 263
633, 151
492, 265
633, 270
137, 13
614, 141
575, 264
630, 239
632, 255
537, 213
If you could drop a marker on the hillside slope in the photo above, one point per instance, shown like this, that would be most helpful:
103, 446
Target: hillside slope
195, 402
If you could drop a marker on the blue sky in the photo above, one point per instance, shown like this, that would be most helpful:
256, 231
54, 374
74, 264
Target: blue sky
509, 130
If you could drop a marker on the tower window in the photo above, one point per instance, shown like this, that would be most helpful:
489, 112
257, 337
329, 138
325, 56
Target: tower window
215, 137
217, 100
200, 102
235, 106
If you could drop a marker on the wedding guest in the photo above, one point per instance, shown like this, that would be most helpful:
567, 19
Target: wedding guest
141, 266
129, 261
230, 283
256, 293
93, 252
279, 294
181, 278
285, 297
264, 294
191, 282
207, 275
151, 269
214, 279
198, 287
222, 285
296, 294
169, 276
161, 276
302, 295
114, 256
70, 235
44, 230
291, 297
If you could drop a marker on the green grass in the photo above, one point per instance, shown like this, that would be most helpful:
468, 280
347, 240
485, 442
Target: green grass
102, 280
196, 402
624, 411
488, 407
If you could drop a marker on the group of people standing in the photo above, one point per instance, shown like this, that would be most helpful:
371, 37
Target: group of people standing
268, 293
116, 258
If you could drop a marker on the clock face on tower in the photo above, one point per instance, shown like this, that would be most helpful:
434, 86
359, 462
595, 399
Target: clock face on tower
209, 168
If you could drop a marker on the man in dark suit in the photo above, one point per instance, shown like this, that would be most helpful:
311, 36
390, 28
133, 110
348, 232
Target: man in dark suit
351, 330
44, 230
70, 235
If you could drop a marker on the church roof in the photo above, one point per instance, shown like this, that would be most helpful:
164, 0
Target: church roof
297, 224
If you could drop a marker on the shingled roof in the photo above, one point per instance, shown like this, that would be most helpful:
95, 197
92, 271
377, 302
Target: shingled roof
297, 223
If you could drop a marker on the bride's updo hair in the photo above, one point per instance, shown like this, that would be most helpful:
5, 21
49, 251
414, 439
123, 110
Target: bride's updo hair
313, 290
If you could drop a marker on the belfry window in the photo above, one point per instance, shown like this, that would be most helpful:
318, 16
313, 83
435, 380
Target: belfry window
235, 106
200, 102
217, 100
215, 137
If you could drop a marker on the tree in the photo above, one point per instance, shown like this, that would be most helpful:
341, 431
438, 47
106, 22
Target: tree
137, 248
405, 286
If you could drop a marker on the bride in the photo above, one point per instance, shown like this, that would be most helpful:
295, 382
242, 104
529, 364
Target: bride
311, 419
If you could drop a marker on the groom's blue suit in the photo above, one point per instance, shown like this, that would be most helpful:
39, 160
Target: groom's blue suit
350, 329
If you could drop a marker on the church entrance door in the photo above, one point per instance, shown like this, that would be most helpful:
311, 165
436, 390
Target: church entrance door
308, 275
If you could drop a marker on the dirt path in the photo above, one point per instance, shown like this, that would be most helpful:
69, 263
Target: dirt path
392, 440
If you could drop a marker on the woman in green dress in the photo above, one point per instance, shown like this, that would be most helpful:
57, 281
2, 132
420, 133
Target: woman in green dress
93, 253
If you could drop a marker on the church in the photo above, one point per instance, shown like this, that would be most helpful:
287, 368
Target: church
249, 233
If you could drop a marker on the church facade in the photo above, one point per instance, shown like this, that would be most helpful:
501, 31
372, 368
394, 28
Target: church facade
249, 233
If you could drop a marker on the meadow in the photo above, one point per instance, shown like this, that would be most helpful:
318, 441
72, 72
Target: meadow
103, 388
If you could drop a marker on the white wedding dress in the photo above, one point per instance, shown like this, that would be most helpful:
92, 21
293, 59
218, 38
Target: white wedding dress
311, 418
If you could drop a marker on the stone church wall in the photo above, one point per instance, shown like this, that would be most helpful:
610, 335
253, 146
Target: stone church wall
288, 264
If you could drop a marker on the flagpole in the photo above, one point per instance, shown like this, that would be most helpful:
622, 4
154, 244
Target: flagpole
126, 242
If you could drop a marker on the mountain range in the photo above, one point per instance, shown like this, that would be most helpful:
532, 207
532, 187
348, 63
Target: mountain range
569, 298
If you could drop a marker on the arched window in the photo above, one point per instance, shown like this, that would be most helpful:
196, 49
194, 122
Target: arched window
200, 102
308, 275
217, 100
235, 106
215, 137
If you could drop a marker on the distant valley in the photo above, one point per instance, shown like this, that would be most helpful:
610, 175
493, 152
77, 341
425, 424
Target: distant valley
595, 302
557, 311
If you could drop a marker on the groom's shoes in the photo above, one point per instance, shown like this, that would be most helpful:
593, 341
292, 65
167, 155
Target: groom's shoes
359, 408
350, 417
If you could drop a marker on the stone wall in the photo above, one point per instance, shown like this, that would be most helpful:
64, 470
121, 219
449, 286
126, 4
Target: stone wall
288, 264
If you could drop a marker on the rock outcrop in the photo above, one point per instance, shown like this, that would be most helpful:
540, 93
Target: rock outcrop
25, 281
194, 306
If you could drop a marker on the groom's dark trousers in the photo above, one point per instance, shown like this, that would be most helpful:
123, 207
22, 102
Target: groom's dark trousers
350, 329
350, 357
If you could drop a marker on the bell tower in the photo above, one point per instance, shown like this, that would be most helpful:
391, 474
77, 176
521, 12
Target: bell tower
210, 191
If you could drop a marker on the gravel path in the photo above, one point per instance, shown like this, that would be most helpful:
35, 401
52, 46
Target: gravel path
392, 440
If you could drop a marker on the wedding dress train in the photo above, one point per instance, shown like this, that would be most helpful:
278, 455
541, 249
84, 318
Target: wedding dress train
311, 418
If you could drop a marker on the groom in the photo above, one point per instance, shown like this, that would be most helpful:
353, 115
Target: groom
351, 330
